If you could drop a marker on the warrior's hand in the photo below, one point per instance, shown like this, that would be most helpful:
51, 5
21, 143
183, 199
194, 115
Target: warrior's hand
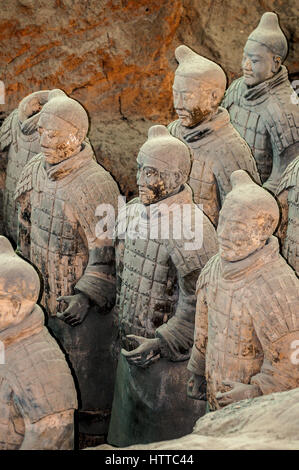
145, 354
77, 310
29, 126
197, 387
239, 391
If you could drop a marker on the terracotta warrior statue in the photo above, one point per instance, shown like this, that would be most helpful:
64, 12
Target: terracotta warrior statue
247, 314
157, 266
37, 392
288, 198
217, 149
59, 192
260, 103
19, 142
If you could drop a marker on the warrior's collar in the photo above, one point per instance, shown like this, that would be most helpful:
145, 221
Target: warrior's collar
237, 270
220, 119
184, 196
63, 169
261, 91
31, 325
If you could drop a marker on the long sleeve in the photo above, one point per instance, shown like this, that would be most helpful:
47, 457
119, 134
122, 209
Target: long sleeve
281, 120
98, 280
274, 307
283, 224
24, 225
196, 363
177, 334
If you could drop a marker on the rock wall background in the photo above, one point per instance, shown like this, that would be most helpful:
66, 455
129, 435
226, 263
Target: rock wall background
116, 57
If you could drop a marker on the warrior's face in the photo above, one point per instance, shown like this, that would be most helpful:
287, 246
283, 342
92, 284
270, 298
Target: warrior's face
193, 100
13, 310
58, 139
258, 63
155, 181
239, 234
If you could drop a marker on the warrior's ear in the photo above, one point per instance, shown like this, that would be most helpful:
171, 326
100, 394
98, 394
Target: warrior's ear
276, 63
179, 178
217, 96
267, 225
16, 303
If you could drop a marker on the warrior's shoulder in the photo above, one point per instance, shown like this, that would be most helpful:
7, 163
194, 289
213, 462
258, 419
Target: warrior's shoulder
94, 182
281, 117
174, 128
26, 180
6, 130
40, 390
233, 93
273, 293
290, 177
209, 271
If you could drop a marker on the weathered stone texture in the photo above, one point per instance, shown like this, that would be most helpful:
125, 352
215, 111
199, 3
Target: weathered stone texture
268, 422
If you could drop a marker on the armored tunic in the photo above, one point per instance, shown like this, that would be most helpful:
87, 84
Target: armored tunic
289, 230
58, 222
35, 382
217, 151
156, 286
57, 232
21, 148
247, 323
266, 116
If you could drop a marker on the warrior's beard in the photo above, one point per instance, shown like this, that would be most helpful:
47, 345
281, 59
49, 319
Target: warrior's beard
197, 115
151, 194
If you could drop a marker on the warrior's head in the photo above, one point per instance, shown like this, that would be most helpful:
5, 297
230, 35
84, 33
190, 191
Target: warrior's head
198, 87
248, 218
264, 51
19, 286
163, 165
63, 125
30, 107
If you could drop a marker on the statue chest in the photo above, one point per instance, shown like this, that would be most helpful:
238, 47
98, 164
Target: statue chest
250, 125
233, 350
54, 225
203, 183
231, 330
148, 287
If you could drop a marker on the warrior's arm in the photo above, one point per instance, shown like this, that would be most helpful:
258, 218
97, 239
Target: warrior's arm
176, 336
196, 363
280, 163
24, 225
3, 164
279, 371
97, 284
283, 225
98, 280
278, 333
54, 432
30, 107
